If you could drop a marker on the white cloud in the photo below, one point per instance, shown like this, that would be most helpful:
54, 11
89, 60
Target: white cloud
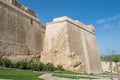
109, 19
107, 26
119, 23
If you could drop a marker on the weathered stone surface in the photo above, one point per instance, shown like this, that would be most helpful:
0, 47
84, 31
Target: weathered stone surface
20, 39
71, 44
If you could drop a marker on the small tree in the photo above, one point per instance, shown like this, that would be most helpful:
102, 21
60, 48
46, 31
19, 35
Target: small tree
116, 59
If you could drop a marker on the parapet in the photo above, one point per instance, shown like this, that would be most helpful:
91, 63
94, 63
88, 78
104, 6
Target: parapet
22, 7
90, 28
62, 19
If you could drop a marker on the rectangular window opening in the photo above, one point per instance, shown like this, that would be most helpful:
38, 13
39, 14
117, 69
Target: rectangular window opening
31, 21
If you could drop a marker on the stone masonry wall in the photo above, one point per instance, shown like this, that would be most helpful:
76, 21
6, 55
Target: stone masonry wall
71, 44
21, 35
93, 57
55, 43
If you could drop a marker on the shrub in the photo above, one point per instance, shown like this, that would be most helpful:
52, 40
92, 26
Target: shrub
5, 62
31, 65
50, 67
0, 62
21, 65
35, 66
13, 65
59, 67
45, 68
40, 66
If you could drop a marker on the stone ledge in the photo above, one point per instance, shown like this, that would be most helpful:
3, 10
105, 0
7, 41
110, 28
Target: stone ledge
62, 19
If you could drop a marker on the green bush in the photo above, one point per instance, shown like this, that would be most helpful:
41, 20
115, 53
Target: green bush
59, 67
40, 66
31, 65
5, 62
50, 67
13, 65
45, 68
21, 65
0, 62
37, 66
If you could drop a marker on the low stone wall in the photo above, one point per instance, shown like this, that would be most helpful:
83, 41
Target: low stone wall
106, 66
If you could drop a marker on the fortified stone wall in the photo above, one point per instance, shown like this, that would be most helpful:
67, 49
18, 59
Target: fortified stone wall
67, 42
21, 34
71, 44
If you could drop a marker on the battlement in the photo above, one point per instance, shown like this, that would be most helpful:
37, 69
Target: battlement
22, 7
90, 28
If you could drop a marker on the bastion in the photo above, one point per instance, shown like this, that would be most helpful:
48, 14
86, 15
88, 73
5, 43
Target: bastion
72, 44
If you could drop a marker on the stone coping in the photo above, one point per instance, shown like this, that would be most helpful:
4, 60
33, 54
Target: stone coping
74, 22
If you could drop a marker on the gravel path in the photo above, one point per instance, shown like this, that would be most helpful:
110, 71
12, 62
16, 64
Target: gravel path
6, 79
48, 76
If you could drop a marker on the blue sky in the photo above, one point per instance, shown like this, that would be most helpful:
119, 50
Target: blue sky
104, 14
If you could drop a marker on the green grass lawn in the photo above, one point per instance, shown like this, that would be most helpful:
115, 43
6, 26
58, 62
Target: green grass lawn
72, 76
19, 75
68, 72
